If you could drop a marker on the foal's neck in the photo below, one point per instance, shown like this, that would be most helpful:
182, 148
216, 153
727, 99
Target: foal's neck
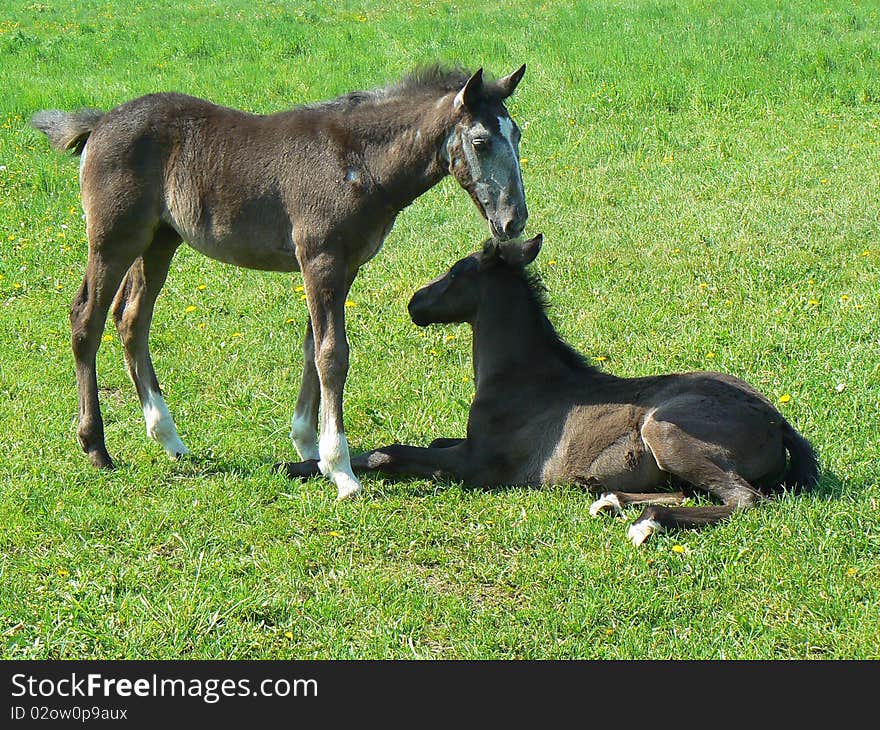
402, 147
515, 341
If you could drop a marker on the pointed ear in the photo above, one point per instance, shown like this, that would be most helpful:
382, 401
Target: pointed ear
521, 253
490, 248
508, 84
470, 92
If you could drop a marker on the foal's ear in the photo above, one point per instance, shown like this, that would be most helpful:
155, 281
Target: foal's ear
470, 93
508, 84
521, 254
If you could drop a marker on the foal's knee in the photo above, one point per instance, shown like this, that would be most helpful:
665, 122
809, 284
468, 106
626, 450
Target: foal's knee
331, 360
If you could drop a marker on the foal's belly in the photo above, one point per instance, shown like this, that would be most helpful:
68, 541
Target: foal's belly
625, 465
256, 234
603, 452
249, 254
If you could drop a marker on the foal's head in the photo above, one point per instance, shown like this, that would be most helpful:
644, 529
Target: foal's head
483, 152
456, 295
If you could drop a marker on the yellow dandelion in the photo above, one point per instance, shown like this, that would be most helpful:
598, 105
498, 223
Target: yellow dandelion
16, 285
107, 338
676, 250
609, 632
288, 634
349, 303
524, 161
710, 355
844, 297
703, 285
302, 297
290, 320
191, 308
551, 262
600, 358
202, 325
813, 302
449, 337
202, 287
866, 252
785, 398
333, 533
300, 288
678, 549
850, 571
237, 334
63, 573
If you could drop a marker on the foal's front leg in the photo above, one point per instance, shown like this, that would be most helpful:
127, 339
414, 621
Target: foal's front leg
304, 424
327, 280
445, 462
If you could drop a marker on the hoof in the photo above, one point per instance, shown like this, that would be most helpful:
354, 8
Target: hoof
100, 459
605, 503
640, 531
298, 469
178, 452
348, 487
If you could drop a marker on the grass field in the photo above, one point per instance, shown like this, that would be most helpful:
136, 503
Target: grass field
706, 176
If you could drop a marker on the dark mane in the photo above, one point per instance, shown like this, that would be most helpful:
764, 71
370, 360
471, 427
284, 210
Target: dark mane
434, 78
537, 293
431, 80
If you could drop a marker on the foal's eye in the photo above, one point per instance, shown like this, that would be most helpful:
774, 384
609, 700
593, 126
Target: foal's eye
481, 143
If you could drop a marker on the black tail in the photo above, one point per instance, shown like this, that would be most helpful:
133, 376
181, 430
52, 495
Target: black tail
803, 465
67, 131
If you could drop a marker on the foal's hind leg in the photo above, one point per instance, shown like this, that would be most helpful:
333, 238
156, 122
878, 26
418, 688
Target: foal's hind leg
133, 312
614, 502
699, 463
104, 271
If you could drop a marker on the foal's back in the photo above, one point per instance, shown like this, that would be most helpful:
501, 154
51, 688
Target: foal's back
232, 184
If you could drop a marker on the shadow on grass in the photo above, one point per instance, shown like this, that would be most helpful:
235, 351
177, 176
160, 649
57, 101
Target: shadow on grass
829, 486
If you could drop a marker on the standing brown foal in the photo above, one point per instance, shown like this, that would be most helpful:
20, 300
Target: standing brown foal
314, 189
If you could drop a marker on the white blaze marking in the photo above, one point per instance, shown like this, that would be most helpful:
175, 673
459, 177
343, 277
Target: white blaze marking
160, 425
506, 125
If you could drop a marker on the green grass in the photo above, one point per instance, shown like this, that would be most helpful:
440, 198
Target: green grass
706, 176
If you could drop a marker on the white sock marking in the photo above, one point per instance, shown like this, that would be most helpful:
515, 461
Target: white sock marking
304, 436
641, 531
335, 464
607, 502
160, 425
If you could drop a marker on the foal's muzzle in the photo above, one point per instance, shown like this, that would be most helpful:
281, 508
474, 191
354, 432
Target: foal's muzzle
418, 310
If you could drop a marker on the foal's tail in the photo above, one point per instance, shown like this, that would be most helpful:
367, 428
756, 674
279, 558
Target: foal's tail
803, 465
67, 131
